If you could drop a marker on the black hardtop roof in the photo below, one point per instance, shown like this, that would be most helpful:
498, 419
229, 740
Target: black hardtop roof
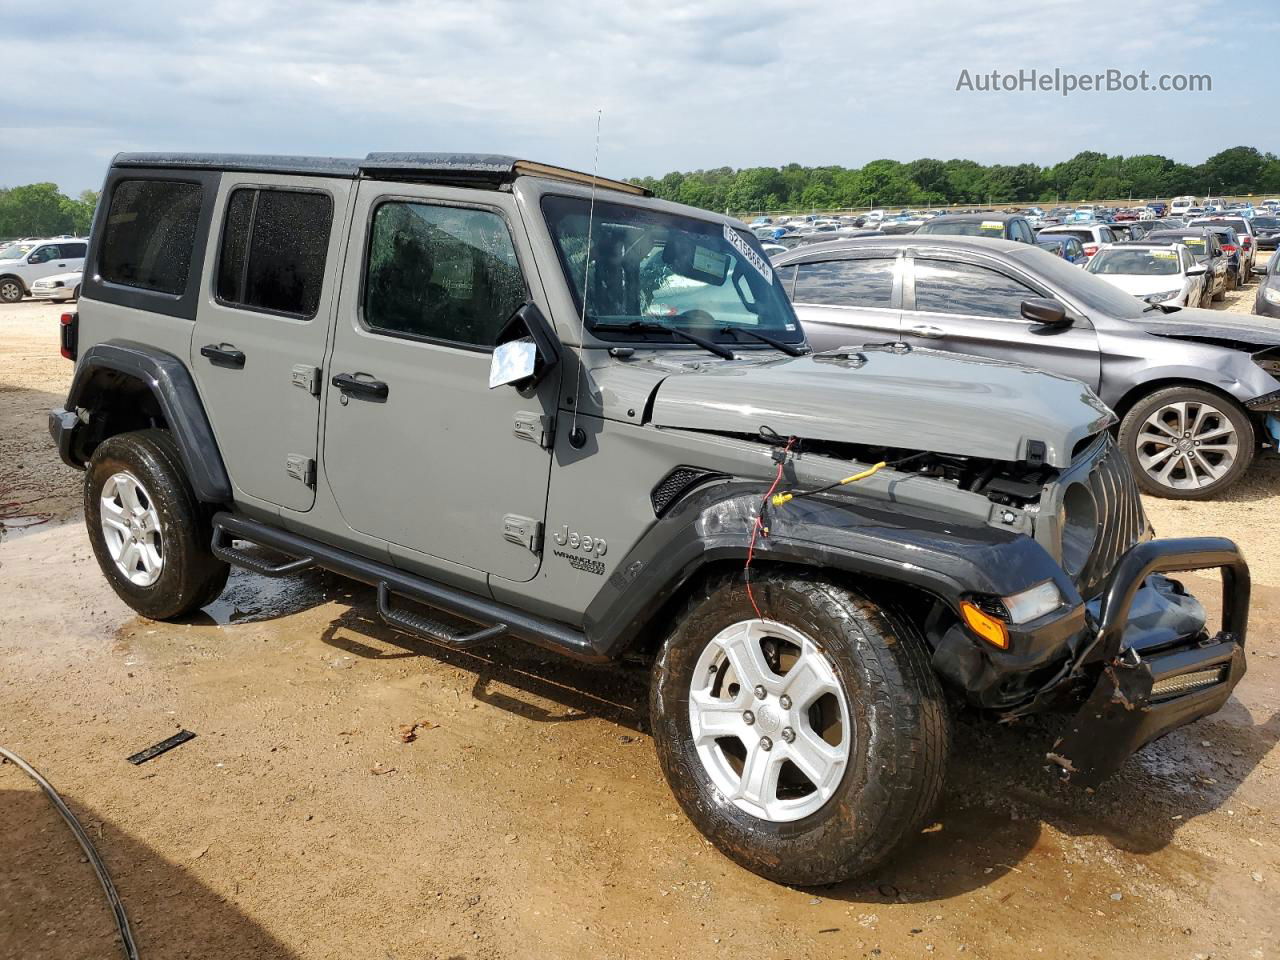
474, 169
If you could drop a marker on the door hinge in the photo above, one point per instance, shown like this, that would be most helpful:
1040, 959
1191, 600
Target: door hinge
535, 427
524, 531
301, 468
307, 377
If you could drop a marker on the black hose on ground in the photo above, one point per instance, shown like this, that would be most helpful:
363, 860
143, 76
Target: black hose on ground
100, 868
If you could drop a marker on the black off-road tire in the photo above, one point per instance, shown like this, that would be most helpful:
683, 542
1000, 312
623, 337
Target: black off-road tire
11, 290
191, 576
1131, 426
894, 776
75, 294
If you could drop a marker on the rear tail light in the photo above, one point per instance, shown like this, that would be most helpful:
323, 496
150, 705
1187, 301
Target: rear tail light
1229, 247
1090, 249
69, 333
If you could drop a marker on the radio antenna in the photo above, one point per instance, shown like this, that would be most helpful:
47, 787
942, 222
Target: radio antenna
574, 436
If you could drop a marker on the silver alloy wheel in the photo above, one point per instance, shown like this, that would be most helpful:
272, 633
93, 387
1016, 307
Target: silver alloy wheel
1187, 445
770, 720
131, 529
10, 291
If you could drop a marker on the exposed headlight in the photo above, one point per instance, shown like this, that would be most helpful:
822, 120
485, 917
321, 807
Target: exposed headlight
1036, 602
1271, 295
1162, 297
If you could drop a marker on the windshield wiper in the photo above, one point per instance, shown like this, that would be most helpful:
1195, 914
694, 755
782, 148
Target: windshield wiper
790, 349
649, 326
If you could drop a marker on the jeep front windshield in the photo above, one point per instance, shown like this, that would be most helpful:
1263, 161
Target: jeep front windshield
649, 266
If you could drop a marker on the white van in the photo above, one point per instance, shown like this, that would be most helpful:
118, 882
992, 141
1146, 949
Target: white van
1179, 206
23, 262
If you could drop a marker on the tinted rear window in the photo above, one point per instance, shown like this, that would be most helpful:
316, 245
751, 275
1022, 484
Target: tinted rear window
274, 244
149, 234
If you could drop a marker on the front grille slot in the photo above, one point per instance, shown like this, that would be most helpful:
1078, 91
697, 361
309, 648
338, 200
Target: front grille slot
1122, 522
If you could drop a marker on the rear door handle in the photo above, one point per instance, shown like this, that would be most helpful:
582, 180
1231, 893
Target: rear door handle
223, 355
352, 385
927, 330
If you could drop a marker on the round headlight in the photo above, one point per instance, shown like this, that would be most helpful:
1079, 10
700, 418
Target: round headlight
1078, 521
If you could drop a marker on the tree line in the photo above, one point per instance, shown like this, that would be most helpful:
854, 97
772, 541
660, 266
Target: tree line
1238, 171
42, 210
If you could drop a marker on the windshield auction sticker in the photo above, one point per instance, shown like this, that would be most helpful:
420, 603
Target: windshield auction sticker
748, 254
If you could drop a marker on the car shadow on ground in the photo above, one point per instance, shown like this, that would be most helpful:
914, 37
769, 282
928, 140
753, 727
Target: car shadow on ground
52, 907
1000, 792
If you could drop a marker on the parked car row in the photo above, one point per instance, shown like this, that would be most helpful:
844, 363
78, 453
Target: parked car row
48, 269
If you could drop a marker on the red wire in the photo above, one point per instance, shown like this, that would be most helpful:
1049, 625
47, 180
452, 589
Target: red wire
758, 528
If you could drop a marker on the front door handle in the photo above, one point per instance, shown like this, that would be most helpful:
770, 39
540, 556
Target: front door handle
223, 355
352, 385
927, 330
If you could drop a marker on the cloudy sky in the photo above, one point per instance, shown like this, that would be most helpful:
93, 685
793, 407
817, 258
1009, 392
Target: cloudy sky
682, 85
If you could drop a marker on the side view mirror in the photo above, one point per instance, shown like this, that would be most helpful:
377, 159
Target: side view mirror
1259, 269
1196, 271
525, 351
1046, 313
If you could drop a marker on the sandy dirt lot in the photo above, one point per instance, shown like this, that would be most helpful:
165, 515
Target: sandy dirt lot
528, 818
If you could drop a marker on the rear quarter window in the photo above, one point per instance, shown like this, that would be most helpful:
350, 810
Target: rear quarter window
149, 234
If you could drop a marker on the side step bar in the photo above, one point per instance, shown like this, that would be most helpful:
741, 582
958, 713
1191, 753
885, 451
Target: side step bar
497, 619
433, 629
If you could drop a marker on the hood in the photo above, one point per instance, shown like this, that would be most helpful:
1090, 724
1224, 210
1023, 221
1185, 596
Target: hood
1241, 329
1143, 285
918, 400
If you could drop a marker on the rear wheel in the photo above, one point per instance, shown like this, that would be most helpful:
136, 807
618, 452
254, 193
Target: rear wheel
150, 534
1187, 444
807, 743
11, 290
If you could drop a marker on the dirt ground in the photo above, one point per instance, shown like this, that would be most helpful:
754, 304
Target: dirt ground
528, 818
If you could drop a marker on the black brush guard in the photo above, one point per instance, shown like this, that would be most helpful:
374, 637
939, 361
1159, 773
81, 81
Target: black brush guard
1138, 699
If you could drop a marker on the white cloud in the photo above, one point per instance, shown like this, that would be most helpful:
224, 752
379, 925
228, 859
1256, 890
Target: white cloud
704, 83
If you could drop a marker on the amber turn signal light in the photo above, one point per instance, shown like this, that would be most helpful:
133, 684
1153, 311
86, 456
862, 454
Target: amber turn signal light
984, 625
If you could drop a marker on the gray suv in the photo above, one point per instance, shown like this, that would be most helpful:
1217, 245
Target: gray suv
527, 404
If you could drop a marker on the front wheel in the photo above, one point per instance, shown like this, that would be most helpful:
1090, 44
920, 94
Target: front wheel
150, 534
1187, 444
10, 290
806, 743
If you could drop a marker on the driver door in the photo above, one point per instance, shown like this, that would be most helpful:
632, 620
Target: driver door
418, 451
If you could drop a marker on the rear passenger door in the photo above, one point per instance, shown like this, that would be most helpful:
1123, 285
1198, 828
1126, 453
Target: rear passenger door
261, 327
847, 302
967, 307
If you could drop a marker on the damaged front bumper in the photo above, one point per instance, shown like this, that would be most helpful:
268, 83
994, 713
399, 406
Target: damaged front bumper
1142, 694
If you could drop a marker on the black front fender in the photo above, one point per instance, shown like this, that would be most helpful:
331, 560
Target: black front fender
853, 535
101, 370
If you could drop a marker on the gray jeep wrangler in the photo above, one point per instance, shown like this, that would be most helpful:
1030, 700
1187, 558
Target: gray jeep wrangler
523, 402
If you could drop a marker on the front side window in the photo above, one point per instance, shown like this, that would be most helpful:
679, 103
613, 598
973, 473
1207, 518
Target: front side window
149, 234
43, 254
274, 246
634, 266
846, 283
944, 286
441, 273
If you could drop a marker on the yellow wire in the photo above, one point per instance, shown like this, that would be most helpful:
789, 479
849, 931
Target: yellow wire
780, 498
